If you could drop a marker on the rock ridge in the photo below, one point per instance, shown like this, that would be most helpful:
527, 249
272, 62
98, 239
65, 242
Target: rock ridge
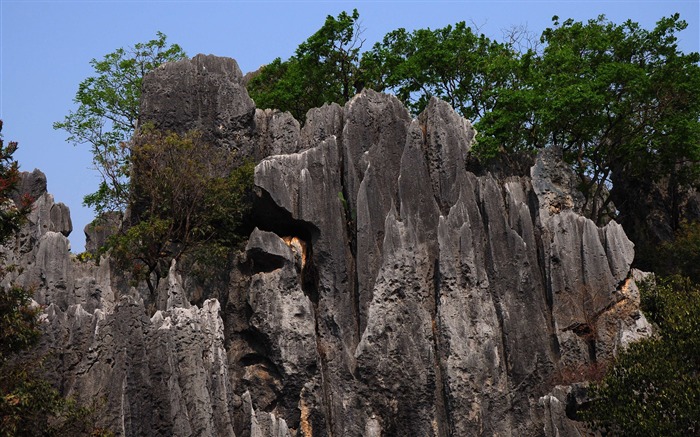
386, 290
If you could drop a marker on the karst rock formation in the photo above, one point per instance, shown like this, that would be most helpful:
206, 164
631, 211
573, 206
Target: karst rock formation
385, 290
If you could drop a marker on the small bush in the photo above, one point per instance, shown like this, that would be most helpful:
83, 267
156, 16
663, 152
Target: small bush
586, 372
682, 255
188, 198
84, 257
653, 388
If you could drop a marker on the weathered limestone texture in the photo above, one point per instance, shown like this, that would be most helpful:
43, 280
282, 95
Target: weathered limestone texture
386, 290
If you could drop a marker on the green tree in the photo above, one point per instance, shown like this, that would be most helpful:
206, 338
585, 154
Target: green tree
653, 388
107, 113
452, 63
17, 321
681, 256
324, 69
282, 85
188, 198
620, 100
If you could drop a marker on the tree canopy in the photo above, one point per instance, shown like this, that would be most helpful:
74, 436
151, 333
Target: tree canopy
324, 69
453, 63
620, 100
107, 114
617, 98
188, 198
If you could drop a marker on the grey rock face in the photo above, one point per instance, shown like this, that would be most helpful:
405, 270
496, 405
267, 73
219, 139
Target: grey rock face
470, 293
559, 405
163, 376
99, 230
385, 291
322, 123
48, 216
278, 133
589, 276
203, 93
30, 184
41, 255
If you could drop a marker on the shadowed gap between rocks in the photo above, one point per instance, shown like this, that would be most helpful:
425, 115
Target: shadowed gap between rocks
268, 216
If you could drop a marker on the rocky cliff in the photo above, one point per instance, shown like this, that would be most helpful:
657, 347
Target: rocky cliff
386, 290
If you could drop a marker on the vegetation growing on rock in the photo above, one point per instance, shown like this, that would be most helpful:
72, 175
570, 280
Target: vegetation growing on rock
108, 112
187, 199
619, 99
29, 404
653, 388
620, 102
324, 69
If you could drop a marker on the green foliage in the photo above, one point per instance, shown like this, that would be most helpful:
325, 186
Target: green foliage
618, 99
324, 69
142, 249
187, 199
18, 325
107, 113
31, 406
18, 329
682, 255
350, 215
84, 257
453, 63
653, 388
280, 85
330, 57
621, 101
26, 400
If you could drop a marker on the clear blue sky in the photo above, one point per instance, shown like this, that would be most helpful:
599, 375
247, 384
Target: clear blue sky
46, 46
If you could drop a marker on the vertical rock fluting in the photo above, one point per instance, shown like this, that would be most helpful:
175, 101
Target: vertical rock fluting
473, 295
165, 375
385, 291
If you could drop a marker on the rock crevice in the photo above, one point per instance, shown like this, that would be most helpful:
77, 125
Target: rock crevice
386, 290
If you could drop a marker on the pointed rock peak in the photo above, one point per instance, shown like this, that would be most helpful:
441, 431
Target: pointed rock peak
32, 184
447, 139
373, 99
554, 183
203, 93
176, 293
322, 123
439, 116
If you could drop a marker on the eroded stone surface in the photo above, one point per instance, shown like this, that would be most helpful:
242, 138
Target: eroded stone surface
385, 291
